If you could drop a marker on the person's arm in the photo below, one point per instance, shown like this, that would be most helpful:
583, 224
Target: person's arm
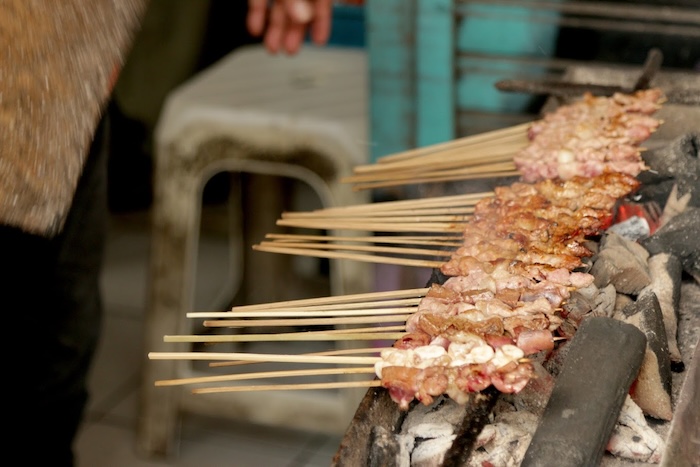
284, 23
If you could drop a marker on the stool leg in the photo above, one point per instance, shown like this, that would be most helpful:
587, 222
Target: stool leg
175, 232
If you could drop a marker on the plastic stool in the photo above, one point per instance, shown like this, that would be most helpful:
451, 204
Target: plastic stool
303, 117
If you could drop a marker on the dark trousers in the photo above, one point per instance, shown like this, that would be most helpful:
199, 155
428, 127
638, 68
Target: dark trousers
51, 299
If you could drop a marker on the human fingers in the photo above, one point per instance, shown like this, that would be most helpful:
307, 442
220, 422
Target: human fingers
293, 37
276, 27
255, 20
321, 27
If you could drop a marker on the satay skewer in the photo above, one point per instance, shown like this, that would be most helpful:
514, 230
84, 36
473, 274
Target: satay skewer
495, 162
258, 357
433, 212
238, 323
468, 199
361, 334
291, 387
363, 248
351, 351
381, 239
361, 298
491, 136
267, 375
308, 313
428, 179
355, 256
377, 226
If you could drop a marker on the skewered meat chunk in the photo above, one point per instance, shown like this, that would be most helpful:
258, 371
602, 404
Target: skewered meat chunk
505, 289
590, 137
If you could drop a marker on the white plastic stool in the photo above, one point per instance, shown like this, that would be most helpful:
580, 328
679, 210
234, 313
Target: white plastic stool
303, 117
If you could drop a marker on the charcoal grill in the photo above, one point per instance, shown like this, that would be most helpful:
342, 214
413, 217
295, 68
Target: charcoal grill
365, 441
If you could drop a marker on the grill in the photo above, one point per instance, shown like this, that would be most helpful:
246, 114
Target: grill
601, 371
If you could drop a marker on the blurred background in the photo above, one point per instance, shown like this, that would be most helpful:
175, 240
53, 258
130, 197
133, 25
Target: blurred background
431, 66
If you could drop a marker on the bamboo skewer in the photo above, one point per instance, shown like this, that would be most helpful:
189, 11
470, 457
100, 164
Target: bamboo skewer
442, 162
381, 239
382, 213
237, 323
266, 375
468, 199
291, 387
427, 179
494, 135
365, 248
335, 335
316, 312
352, 351
257, 357
363, 298
412, 227
356, 257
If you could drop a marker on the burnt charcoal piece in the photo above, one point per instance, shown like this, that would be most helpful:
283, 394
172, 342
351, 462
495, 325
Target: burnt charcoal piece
476, 418
384, 448
622, 263
680, 238
677, 163
602, 362
375, 409
652, 388
666, 274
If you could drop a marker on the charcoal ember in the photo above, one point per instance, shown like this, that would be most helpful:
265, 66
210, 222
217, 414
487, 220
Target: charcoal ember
652, 388
680, 238
666, 274
622, 263
603, 360
676, 163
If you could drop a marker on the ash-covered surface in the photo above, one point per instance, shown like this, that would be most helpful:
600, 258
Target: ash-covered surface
58, 62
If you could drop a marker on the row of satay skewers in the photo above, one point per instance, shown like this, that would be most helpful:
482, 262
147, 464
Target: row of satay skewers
437, 227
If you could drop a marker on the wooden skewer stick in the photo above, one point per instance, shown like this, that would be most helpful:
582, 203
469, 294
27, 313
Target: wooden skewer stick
291, 387
435, 172
468, 199
446, 160
235, 323
353, 351
337, 224
447, 163
257, 357
291, 337
493, 135
356, 257
361, 298
415, 212
309, 313
365, 248
266, 375
382, 239
368, 186
383, 218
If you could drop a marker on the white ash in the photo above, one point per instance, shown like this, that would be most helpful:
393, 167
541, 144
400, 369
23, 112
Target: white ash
633, 438
505, 441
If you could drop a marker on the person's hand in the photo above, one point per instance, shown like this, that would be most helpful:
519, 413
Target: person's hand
286, 22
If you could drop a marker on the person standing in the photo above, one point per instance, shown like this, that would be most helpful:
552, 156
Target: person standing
51, 262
